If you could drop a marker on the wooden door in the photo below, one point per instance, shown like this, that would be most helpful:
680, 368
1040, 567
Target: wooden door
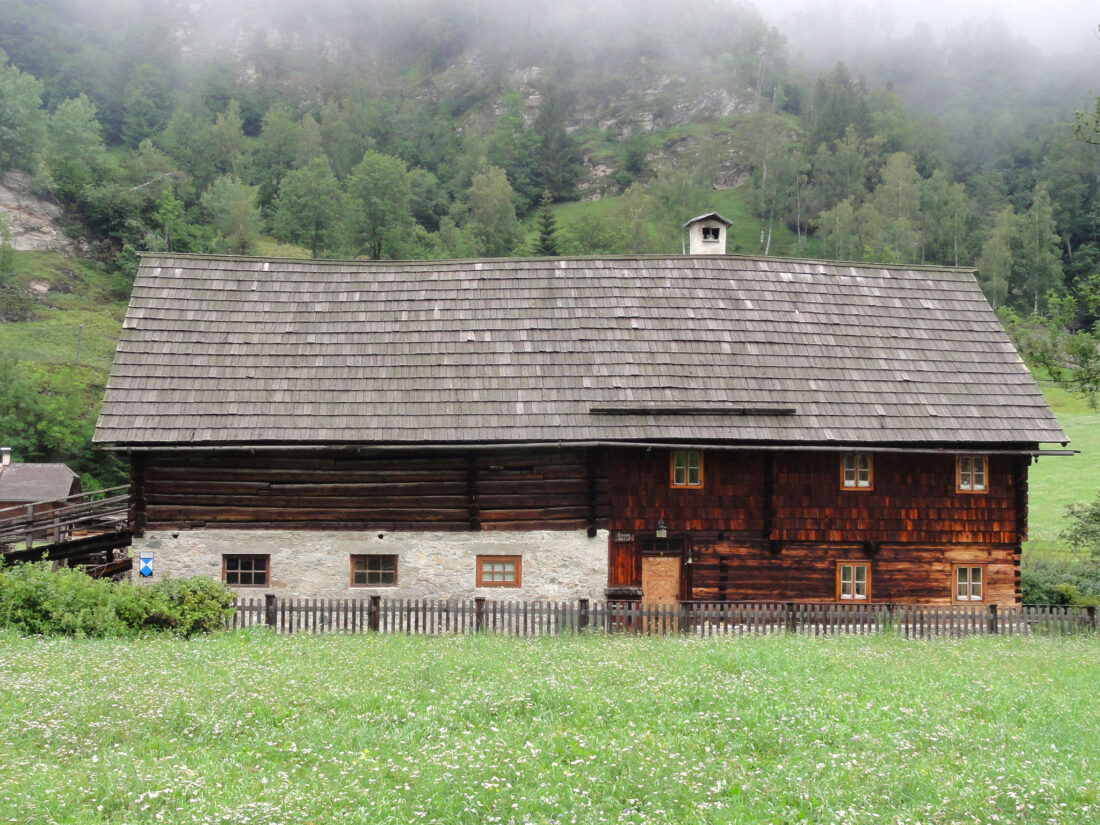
662, 570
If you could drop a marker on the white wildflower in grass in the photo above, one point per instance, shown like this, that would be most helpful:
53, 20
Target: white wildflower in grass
252, 728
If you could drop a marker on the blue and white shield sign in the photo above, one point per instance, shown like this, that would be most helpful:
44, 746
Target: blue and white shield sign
145, 564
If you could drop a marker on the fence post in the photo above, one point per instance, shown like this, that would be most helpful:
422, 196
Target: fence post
993, 618
791, 626
479, 614
373, 613
30, 526
269, 609
582, 617
1091, 611
889, 617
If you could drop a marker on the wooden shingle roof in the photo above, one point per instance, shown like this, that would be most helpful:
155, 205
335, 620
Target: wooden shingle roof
24, 483
224, 351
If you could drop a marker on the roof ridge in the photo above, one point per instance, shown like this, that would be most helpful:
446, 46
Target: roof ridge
429, 262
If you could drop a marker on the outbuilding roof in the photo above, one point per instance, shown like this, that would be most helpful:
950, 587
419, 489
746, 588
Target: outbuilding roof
26, 483
239, 351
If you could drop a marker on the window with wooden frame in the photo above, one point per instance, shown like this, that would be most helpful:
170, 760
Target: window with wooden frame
246, 570
971, 473
374, 571
686, 469
853, 581
857, 471
969, 583
499, 571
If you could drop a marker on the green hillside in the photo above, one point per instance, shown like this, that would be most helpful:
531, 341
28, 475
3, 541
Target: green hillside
1054, 482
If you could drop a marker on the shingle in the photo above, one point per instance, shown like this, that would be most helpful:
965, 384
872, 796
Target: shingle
35, 482
239, 350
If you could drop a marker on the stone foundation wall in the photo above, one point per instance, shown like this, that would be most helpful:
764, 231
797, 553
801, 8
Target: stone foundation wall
555, 564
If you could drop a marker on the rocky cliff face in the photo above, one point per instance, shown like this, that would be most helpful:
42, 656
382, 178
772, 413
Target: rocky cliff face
35, 223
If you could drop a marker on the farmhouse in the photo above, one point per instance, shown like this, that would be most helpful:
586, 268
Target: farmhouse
696, 427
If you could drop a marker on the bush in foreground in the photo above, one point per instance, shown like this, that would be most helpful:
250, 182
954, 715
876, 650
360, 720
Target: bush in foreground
1060, 582
37, 600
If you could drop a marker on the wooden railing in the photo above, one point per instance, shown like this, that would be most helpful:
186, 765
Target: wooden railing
544, 618
25, 526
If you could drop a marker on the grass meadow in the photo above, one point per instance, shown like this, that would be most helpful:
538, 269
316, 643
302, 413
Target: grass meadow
1056, 481
253, 728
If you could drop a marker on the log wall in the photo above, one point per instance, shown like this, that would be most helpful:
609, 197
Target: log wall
545, 490
803, 572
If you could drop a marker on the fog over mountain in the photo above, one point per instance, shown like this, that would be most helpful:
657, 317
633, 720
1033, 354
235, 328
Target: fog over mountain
1054, 25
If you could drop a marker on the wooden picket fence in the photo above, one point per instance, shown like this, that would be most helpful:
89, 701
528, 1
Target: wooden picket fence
548, 618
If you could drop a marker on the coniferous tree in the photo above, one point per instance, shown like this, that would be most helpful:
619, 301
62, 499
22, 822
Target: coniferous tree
558, 155
547, 244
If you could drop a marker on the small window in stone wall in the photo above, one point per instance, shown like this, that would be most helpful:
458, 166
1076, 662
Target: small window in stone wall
373, 571
499, 571
246, 570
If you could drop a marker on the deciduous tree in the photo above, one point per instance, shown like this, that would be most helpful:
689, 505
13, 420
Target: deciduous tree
22, 121
309, 207
378, 218
75, 154
492, 218
231, 207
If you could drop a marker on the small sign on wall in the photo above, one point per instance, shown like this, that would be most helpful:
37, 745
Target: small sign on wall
145, 565
624, 537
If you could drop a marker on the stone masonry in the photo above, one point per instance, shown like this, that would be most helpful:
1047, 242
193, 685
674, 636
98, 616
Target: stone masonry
556, 565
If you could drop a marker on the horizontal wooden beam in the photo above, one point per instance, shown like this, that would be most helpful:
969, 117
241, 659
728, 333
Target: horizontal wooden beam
652, 410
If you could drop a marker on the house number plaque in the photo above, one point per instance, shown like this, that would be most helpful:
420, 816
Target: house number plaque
624, 537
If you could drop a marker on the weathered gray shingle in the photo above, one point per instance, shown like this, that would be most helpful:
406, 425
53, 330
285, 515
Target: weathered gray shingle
232, 350
35, 482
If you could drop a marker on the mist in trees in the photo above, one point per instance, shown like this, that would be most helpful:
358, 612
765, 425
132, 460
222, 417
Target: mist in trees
434, 128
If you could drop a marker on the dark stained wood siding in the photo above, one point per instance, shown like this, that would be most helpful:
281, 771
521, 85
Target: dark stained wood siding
770, 526
731, 499
548, 489
913, 501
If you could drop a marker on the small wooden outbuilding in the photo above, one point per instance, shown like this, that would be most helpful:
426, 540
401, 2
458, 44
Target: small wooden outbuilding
24, 483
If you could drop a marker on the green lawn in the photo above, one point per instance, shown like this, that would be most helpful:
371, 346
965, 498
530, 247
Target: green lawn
250, 728
1055, 481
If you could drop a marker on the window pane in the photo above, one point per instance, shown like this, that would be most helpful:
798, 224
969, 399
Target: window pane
979, 474
374, 570
976, 583
244, 571
679, 475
